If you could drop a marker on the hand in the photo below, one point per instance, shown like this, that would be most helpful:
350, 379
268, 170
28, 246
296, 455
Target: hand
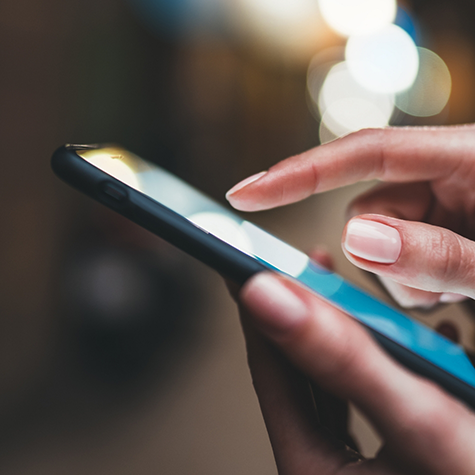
424, 430
418, 226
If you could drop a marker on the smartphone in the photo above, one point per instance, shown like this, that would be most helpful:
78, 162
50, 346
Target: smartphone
167, 206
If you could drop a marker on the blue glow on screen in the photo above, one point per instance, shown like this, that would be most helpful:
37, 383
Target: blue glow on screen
390, 322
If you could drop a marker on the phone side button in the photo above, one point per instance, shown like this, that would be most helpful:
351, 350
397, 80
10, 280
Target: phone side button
114, 191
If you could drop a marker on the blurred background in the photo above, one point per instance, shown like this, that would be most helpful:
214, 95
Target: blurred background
119, 354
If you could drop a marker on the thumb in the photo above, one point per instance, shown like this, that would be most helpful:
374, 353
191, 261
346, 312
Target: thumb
411, 253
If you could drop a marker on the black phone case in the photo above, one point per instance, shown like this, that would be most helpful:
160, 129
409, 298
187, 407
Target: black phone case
225, 259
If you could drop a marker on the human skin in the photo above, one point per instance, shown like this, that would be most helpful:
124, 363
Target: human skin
416, 231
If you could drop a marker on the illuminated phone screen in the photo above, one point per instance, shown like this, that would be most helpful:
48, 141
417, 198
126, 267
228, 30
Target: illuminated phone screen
215, 219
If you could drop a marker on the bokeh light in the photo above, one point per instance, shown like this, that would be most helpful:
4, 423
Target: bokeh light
345, 106
325, 134
385, 62
292, 28
317, 71
431, 90
352, 114
282, 12
357, 17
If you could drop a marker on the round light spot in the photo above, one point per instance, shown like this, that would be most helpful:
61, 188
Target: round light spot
345, 106
385, 62
357, 17
289, 28
352, 114
317, 72
325, 135
431, 90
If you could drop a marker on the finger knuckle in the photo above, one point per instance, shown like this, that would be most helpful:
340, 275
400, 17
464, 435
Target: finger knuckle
378, 138
449, 252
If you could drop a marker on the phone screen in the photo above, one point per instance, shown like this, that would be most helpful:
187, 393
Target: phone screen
215, 219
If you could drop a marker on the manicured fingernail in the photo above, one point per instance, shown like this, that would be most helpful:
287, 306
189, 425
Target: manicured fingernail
243, 183
449, 297
275, 307
373, 241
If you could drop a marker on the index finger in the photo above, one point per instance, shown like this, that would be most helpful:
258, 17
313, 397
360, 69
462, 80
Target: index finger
393, 154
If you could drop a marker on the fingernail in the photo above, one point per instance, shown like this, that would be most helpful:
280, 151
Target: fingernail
449, 297
373, 241
274, 306
243, 183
